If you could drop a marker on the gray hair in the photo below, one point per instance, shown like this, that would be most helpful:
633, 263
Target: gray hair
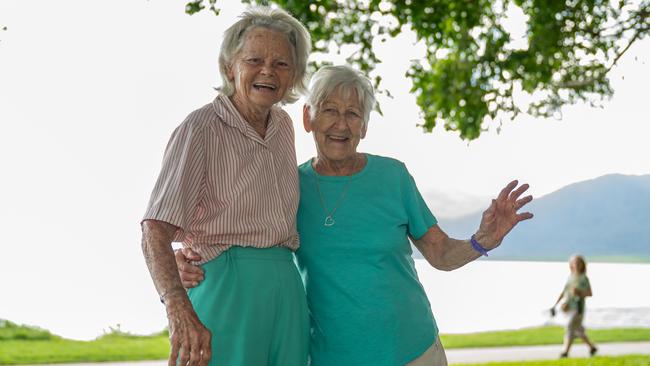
277, 20
329, 78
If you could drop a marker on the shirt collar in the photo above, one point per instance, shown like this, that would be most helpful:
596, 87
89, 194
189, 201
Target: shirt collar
225, 109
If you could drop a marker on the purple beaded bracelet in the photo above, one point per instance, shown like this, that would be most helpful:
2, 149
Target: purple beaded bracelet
478, 247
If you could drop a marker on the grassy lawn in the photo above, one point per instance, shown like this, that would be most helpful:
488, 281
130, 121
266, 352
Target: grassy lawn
30, 345
596, 361
539, 336
21, 345
103, 349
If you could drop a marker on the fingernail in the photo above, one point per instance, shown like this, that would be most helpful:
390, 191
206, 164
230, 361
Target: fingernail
194, 284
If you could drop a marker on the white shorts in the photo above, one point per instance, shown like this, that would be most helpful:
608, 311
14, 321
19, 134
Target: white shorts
434, 356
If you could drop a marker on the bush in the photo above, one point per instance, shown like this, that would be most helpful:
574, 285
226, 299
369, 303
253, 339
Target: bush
12, 331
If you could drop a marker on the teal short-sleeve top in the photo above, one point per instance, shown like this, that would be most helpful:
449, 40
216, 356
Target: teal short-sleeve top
367, 305
581, 282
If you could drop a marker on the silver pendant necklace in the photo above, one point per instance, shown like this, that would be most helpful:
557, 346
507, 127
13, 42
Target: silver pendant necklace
329, 216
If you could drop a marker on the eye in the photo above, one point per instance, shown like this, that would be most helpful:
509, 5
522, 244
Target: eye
354, 114
283, 64
253, 60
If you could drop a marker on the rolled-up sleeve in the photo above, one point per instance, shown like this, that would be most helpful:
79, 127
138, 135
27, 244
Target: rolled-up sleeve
177, 193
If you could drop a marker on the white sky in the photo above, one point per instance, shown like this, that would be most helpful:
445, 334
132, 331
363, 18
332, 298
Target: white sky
90, 92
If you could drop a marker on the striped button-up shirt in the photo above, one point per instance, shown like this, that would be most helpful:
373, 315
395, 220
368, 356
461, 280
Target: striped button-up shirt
222, 184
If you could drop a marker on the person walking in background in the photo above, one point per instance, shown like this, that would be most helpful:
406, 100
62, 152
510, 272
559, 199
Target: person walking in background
576, 289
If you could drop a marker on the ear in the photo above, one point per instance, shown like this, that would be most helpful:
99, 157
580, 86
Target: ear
229, 73
306, 118
364, 129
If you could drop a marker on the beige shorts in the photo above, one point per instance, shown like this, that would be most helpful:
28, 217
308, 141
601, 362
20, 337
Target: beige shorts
434, 356
574, 327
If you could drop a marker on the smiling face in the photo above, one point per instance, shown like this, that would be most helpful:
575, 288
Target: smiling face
337, 127
263, 69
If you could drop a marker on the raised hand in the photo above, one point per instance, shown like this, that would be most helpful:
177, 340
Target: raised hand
502, 215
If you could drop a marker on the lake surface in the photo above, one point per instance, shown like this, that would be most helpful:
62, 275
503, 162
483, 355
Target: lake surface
491, 295
484, 295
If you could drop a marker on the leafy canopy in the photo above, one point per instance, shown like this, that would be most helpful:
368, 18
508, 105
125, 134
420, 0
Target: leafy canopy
471, 68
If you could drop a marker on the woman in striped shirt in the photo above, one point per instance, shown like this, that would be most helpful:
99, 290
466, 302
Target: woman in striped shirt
228, 189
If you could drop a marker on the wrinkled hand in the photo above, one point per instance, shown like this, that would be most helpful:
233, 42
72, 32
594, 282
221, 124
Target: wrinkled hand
502, 215
189, 339
190, 274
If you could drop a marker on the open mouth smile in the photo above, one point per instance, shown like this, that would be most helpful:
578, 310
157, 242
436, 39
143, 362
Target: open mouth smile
264, 86
338, 138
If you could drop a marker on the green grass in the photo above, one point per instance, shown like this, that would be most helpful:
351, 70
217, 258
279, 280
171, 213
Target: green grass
632, 360
115, 348
12, 331
620, 259
539, 336
20, 344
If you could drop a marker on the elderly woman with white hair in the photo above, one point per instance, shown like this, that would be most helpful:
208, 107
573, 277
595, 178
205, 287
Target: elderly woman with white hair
357, 212
228, 189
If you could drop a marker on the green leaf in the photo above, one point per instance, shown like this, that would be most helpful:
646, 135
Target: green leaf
467, 76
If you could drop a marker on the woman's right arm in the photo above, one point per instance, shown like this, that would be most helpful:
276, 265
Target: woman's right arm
190, 340
559, 299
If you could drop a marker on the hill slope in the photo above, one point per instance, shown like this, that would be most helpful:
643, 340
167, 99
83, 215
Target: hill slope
606, 218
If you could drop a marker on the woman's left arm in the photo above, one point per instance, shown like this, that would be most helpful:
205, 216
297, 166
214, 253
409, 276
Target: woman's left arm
447, 254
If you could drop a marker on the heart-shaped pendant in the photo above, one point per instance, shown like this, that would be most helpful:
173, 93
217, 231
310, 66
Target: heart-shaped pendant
329, 221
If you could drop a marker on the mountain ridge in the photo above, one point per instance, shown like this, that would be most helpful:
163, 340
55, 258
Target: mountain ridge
605, 219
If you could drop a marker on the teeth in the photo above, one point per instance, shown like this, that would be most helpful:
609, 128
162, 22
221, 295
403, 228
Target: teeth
261, 85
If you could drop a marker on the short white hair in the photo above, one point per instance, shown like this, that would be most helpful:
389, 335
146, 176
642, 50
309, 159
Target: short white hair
346, 79
274, 19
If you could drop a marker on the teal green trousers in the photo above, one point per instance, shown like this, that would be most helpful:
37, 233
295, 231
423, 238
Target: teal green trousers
253, 302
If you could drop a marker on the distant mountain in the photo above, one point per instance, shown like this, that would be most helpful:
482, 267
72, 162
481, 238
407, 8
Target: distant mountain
606, 218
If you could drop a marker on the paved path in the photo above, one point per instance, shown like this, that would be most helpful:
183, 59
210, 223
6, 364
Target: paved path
477, 355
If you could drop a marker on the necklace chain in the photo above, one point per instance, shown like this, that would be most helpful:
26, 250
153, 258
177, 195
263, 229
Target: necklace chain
329, 216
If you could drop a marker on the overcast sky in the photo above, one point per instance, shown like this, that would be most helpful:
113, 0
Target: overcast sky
90, 92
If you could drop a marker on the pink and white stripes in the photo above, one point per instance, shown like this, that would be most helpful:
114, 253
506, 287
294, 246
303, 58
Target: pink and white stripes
222, 184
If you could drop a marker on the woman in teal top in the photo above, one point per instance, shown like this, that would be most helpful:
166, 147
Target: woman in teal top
357, 212
367, 305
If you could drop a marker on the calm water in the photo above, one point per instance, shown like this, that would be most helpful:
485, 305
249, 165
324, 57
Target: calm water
508, 295
481, 296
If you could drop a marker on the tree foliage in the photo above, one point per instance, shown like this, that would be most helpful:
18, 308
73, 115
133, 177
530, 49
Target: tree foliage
472, 67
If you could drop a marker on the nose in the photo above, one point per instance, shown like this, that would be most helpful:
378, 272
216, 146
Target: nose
267, 68
340, 122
